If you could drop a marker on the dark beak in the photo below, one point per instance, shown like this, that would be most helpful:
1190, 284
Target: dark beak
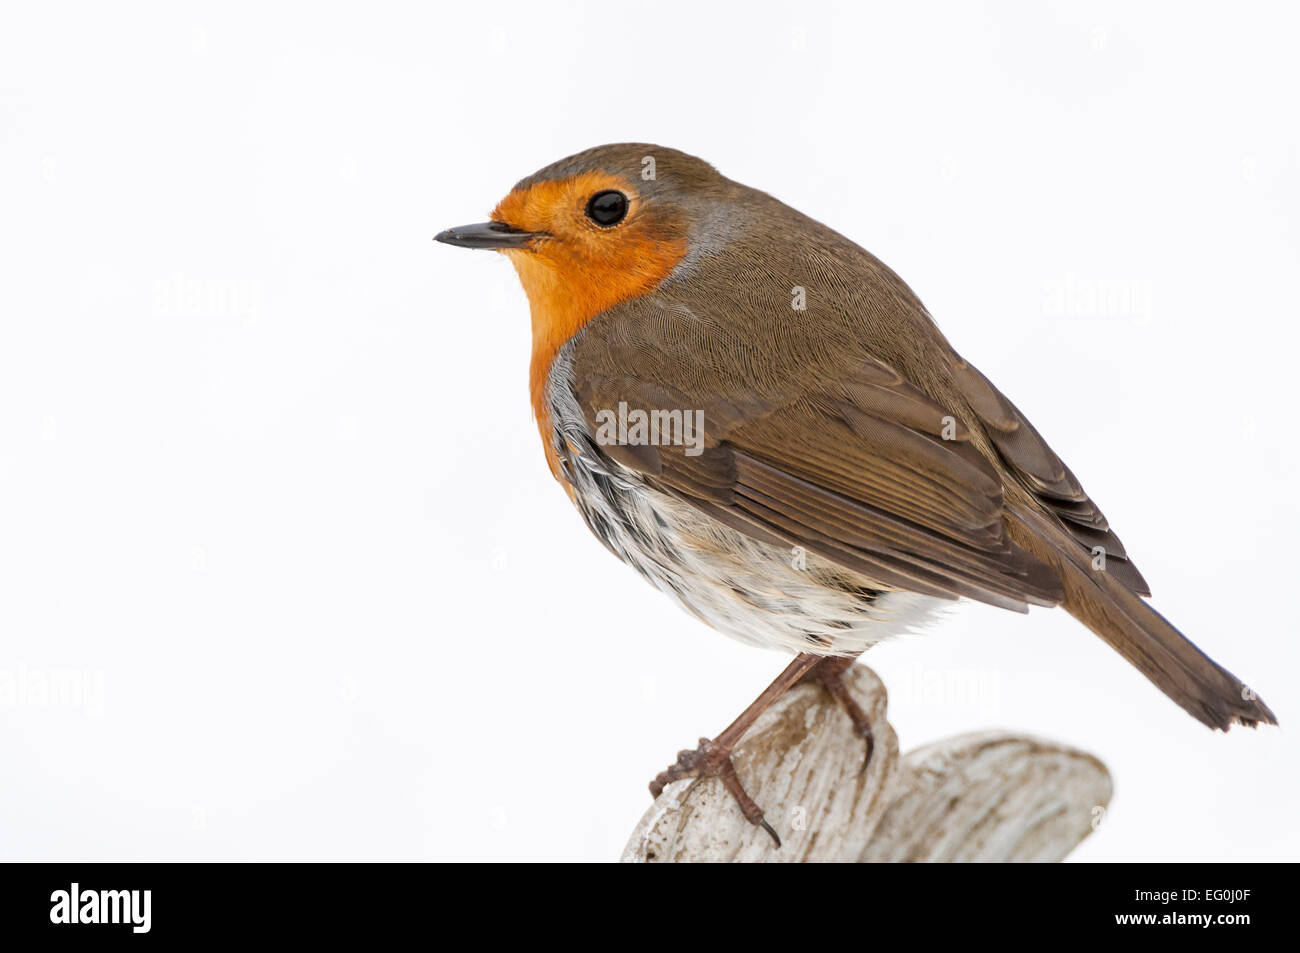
487, 235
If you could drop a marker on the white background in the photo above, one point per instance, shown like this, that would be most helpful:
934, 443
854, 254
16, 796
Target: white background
282, 571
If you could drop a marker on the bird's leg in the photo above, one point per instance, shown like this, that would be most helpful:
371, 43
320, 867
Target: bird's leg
830, 673
713, 757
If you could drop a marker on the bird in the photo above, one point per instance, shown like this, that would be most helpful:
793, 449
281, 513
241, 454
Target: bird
765, 422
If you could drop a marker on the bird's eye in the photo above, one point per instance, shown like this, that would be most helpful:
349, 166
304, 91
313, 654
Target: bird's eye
607, 208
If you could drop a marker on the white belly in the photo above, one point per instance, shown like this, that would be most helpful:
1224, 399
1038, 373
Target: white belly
760, 593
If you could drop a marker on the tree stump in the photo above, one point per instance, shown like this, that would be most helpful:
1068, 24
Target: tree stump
985, 796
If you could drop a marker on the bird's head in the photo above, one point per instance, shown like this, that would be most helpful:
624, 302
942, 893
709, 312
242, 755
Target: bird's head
596, 229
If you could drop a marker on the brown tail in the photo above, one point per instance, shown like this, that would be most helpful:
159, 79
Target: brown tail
1210, 694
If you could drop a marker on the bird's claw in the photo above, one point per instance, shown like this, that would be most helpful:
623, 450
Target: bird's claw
829, 672
712, 760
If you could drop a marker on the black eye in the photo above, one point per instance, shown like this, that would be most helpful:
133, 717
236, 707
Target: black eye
607, 208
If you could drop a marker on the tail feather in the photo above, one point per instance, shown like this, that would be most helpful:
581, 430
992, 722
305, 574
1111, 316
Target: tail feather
1209, 693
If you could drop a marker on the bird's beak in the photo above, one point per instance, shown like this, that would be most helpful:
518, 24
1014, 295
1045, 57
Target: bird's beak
487, 235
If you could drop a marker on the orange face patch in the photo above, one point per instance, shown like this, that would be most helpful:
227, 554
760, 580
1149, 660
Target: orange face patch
582, 268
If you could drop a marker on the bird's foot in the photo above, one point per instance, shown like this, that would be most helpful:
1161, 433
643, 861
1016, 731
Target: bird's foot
829, 672
711, 759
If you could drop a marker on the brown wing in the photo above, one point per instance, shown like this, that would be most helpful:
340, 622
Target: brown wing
864, 470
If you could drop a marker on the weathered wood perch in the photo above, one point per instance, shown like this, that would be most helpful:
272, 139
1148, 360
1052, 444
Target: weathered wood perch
987, 796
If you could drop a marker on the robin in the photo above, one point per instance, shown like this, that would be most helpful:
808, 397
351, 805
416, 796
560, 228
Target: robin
765, 422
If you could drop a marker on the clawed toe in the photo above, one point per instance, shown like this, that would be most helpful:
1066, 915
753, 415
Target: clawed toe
689, 764
829, 672
713, 760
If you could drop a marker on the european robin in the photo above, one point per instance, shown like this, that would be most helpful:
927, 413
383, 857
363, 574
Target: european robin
765, 422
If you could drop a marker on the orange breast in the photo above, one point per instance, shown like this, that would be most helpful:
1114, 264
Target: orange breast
583, 270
